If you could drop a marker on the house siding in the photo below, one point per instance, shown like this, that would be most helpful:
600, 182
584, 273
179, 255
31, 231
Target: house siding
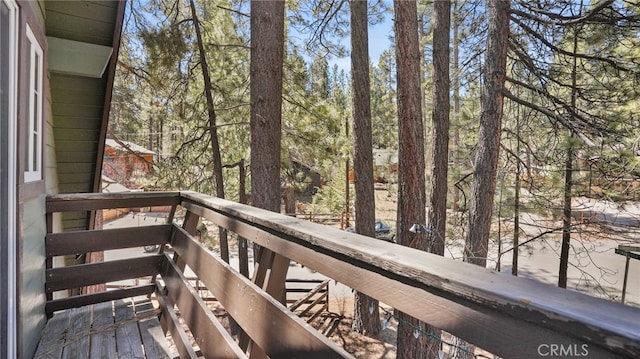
32, 299
72, 116
31, 196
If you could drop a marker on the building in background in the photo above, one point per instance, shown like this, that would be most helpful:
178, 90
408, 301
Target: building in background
126, 162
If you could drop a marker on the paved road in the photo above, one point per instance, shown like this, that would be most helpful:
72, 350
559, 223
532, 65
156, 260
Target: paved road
594, 266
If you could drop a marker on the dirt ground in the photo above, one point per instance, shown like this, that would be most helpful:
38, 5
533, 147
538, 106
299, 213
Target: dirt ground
384, 345
358, 345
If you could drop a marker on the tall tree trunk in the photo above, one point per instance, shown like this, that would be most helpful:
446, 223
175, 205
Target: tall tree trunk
243, 244
439, 144
213, 128
566, 218
267, 55
347, 184
516, 204
96, 257
366, 319
456, 104
412, 343
267, 47
440, 133
568, 180
440, 153
486, 162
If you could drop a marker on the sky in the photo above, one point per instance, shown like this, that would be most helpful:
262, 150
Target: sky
379, 41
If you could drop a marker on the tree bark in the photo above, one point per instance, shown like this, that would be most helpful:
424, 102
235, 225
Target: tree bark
439, 144
566, 217
412, 341
516, 204
267, 47
440, 133
568, 179
456, 105
96, 257
366, 309
486, 162
213, 128
267, 56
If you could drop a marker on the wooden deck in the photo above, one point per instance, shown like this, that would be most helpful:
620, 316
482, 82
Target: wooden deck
124, 328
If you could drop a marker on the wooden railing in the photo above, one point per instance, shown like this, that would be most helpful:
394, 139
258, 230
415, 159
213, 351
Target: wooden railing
509, 316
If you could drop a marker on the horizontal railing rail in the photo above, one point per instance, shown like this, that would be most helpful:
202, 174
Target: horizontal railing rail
77, 202
508, 316
276, 331
59, 244
74, 243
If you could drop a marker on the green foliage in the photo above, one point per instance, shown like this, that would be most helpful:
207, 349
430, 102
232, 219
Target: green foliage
170, 117
330, 198
384, 124
158, 99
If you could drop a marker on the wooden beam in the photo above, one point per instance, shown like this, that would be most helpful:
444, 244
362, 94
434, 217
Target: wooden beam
509, 316
128, 339
323, 287
321, 299
153, 338
190, 225
277, 331
97, 273
91, 201
210, 335
55, 305
103, 339
79, 329
631, 253
108, 94
59, 244
171, 324
52, 338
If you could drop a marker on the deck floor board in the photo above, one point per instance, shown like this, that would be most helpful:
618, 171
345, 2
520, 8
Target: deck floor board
53, 338
103, 340
115, 329
128, 337
77, 342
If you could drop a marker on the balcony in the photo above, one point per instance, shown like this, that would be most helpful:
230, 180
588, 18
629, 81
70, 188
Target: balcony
509, 316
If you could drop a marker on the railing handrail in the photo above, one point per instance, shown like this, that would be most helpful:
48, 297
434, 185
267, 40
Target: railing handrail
522, 314
91, 201
509, 316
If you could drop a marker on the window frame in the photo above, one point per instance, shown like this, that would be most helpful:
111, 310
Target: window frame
35, 120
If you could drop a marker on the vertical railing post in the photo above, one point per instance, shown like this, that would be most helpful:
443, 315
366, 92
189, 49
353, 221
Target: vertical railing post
190, 225
626, 275
49, 260
270, 274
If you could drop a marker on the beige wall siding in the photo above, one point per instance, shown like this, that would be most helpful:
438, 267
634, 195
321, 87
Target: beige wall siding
72, 111
33, 276
32, 201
